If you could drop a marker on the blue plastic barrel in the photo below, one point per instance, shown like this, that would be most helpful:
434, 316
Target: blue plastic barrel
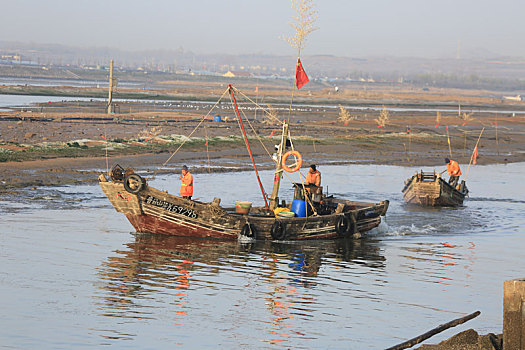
217, 118
300, 207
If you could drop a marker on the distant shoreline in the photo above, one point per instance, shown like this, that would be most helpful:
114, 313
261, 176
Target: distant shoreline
59, 142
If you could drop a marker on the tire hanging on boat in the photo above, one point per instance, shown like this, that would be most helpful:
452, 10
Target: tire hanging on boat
342, 224
141, 183
298, 164
346, 225
278, 230
248, 230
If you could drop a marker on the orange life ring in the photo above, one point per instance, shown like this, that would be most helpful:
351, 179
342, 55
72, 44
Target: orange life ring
297, 165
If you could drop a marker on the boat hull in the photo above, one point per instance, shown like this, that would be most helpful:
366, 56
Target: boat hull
429, 189
154, 211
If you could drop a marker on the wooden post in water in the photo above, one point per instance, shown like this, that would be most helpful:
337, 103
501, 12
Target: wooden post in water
110, 96
514, 314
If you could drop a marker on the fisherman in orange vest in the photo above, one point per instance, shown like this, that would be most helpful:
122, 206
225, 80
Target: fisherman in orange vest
454, 171
186, 187
313, 177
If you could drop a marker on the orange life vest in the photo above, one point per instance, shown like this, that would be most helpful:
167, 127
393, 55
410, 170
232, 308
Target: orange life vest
313, 178
186, 187
453, 168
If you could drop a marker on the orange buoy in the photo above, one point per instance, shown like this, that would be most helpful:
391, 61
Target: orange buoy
297, 164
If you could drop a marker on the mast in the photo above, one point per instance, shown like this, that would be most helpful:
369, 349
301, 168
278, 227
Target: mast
110, 97
230, 87
274, 201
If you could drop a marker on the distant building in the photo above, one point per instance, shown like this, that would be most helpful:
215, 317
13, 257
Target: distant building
512, 98
11, 58
230, 74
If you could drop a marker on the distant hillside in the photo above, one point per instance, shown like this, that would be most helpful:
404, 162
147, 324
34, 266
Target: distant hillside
484, 71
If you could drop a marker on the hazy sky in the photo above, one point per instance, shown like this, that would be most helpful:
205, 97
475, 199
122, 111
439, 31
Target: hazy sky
424, 28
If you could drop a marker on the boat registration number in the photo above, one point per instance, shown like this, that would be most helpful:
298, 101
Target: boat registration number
171, 207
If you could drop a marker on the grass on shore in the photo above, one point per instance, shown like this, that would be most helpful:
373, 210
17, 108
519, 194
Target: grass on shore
168, 143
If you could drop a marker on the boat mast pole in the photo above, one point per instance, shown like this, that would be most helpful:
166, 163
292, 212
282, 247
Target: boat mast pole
472, 156
274, 202
230, 87
110, 97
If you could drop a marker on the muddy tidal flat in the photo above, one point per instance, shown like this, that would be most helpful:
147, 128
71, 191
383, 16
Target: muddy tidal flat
75, 275
69, 142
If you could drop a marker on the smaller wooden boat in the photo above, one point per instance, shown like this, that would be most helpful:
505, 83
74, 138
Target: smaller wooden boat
430, 189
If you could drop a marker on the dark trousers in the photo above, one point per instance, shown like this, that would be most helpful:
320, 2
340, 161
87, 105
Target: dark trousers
186, 197
453, 180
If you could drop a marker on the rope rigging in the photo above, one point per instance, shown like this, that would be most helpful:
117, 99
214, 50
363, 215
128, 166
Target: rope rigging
244, 117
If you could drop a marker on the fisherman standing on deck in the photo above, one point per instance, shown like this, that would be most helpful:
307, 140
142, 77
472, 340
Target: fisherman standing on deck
186, 187
313, 177
454, 171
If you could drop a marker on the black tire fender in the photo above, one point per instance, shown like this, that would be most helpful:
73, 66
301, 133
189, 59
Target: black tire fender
342, 224
248, 230
278, 230
136, 179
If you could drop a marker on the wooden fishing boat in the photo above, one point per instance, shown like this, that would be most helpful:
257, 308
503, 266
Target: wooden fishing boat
150, 210
430, 189
311, 214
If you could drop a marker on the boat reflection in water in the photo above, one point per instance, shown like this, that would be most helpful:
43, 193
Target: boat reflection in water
266, 281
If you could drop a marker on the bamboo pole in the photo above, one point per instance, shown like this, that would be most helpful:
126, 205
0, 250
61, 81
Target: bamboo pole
274, 201
472, 156
410, 343
110, 95
448, 140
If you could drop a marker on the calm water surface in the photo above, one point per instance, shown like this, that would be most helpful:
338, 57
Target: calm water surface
74, 277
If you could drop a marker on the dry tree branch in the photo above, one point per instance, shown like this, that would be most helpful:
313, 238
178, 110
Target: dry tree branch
344, 115
271, 117
383, 118
303, 23
466, 116
149, 133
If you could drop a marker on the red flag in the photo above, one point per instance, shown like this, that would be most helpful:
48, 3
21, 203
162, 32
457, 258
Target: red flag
206, 143
257, 89
435, 127
475, 155
300, 75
